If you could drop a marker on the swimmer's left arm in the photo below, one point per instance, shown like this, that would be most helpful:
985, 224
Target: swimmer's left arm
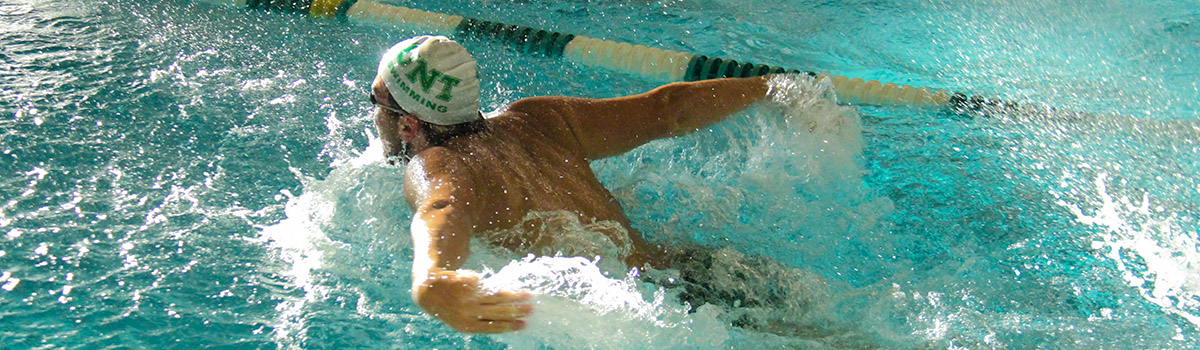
612, 126
441, 233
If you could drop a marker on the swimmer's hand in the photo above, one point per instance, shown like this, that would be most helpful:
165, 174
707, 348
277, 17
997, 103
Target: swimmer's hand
457, 300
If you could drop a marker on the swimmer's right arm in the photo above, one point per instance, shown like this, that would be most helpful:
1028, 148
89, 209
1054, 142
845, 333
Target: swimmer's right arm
441, 232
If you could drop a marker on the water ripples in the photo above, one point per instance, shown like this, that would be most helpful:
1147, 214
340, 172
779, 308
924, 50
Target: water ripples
121, 221
149, 148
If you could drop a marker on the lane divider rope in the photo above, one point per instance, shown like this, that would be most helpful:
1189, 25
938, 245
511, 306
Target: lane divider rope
649, 62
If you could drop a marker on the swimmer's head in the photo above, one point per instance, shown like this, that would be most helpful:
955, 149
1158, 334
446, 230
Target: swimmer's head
434, 78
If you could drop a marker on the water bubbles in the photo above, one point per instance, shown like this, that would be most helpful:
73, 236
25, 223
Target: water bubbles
10, 282
285, 99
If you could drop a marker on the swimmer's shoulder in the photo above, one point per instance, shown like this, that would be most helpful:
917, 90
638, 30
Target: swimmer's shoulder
434, 162
544, 110
543, 116
434, 167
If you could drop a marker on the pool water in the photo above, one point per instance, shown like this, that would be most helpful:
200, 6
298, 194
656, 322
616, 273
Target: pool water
184, 175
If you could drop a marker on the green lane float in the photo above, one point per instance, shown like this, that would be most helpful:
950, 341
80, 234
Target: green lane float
653, 63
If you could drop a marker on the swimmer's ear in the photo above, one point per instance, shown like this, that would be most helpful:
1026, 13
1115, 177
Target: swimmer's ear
409, 126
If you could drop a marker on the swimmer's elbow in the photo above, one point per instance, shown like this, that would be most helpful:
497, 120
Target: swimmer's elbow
442, 218
437, 204
667, 103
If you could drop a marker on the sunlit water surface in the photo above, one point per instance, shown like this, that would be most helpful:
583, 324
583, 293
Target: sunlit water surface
182, 175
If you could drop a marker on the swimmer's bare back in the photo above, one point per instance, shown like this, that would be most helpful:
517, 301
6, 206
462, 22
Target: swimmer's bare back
534, 157
522, 165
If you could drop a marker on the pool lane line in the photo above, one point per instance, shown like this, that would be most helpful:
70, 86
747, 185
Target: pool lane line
649, 62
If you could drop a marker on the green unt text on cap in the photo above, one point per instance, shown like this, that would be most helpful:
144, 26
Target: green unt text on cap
425, 77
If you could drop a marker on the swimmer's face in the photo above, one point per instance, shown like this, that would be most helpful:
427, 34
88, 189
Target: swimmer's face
389, 120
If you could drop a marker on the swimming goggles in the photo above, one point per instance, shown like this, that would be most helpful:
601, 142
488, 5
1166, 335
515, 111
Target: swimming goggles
390, 108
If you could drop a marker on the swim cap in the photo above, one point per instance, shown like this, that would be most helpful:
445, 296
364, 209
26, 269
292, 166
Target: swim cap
434, 78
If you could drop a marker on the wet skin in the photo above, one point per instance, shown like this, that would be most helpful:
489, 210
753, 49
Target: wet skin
533, 158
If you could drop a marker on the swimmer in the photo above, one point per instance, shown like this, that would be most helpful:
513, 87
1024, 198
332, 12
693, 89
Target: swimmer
468, 176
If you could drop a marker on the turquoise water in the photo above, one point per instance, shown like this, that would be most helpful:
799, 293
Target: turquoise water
180, 175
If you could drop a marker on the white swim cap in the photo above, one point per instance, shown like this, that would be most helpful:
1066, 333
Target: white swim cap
434, 78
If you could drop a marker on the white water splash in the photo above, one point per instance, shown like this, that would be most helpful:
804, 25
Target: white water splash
302, 241
578, 307
296, 240
1169, 272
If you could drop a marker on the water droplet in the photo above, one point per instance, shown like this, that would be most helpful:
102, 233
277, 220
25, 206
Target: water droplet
10, 283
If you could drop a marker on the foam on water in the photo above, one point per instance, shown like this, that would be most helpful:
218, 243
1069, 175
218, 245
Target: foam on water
357, 195
560, 232
792, 166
